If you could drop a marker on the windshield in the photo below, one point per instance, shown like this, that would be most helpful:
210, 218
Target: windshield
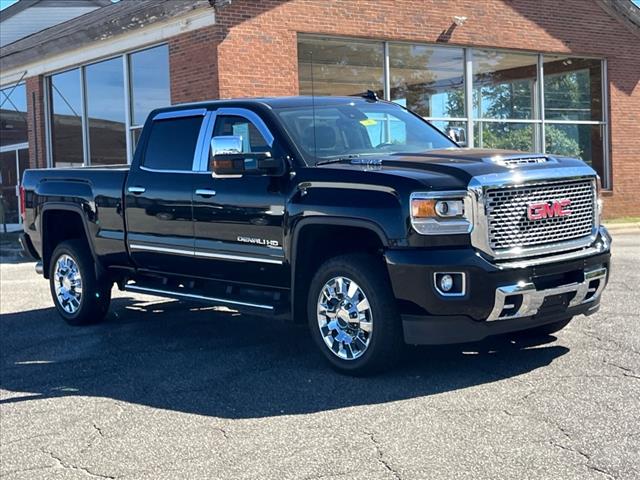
358, 129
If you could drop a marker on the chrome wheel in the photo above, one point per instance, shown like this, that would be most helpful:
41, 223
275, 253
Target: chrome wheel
345, 318
68, 283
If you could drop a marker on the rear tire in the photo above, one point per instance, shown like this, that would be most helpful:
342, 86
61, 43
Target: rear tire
353, 317
79, 296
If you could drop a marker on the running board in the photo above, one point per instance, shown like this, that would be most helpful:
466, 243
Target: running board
240, 305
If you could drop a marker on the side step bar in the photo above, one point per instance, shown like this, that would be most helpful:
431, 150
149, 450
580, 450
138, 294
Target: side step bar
192, 296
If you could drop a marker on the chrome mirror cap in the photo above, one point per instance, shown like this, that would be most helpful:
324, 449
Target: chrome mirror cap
226, 145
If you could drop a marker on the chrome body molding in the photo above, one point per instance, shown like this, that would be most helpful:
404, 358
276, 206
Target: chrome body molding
602, 245
532, 299
478, 187
192, 296
198, 253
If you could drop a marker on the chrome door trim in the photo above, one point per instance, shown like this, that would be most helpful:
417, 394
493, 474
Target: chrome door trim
197, 253
150, 248
225, 256
136, 190
162, 293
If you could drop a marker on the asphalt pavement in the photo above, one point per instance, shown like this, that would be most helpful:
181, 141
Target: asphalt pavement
167, 390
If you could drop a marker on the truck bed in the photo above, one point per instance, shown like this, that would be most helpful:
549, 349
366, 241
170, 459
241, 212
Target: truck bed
96, 193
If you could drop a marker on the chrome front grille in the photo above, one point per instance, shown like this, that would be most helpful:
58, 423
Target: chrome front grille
508, 224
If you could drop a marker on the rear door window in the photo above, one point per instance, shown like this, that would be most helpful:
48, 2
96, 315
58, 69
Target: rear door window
172, 143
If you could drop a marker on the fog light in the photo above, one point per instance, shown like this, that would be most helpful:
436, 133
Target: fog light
450, 284
446, 282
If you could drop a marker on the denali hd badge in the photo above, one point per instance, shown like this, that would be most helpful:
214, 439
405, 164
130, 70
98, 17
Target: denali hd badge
554, 208
259, 241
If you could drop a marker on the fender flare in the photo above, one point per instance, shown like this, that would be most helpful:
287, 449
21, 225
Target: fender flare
58, 206
322, 220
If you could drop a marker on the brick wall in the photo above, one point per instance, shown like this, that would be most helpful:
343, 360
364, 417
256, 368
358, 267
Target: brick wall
193, 65
35, 122
255, 47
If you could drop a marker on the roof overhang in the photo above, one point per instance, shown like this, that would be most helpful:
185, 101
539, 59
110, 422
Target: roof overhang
65, 46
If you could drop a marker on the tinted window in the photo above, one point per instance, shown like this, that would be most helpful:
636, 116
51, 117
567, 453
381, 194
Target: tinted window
149, 82
105, 108
172, 143
66, 122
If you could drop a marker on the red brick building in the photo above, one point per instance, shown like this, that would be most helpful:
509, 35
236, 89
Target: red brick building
558, 77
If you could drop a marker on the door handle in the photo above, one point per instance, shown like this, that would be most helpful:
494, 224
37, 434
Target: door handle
136, 190
206, 193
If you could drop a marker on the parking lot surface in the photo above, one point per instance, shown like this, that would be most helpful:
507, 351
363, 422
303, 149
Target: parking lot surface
171, 390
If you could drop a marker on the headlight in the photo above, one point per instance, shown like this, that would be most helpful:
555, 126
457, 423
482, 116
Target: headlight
441, 213
599, 198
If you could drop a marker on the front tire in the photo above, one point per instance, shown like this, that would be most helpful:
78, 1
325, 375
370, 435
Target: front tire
79, 296
353, 316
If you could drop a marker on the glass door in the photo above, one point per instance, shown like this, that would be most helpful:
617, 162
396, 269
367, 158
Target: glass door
12, 165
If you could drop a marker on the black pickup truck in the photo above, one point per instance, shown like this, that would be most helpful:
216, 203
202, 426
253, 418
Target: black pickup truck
351, 214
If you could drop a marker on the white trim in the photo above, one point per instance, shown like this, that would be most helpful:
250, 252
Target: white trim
468, 95
126, 42
15, 146
127, 106
604, 80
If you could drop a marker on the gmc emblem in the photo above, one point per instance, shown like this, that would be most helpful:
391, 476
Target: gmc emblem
555, 208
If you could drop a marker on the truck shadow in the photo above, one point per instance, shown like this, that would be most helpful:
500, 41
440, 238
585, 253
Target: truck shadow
208, 361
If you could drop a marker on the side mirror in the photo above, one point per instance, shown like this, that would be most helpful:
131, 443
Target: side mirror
228, 160
458, 135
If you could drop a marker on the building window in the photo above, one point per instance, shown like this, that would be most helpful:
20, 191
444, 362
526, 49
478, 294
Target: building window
518, 101
149, 70
429, 81
95, 107
106, 112
573, 111
13, 115
66, 119
340, 67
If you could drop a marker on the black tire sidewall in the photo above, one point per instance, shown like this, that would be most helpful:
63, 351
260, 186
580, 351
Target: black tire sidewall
367, 272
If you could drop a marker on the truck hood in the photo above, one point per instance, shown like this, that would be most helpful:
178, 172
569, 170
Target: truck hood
455, 167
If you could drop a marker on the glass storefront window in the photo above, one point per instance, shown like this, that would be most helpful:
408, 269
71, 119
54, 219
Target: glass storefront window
150, 88
340, 67
572, 88
504, 84
13, 115
576, 140
427, 80
457, 131
66, 121
105, 111
505, 135
105, 114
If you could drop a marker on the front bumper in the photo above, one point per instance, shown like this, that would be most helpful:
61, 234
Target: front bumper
497, 299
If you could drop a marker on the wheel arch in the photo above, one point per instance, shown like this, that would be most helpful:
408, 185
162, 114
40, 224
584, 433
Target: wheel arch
78, 229
308, 250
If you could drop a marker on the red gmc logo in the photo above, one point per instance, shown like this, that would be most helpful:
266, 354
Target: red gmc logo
555, 208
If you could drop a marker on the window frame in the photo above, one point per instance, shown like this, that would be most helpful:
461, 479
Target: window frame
12, 87
538, 119
128, 95
201, 163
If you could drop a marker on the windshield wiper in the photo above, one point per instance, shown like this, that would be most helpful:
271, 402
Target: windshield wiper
346, 158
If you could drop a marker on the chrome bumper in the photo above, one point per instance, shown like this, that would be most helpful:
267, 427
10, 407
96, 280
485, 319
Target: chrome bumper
524, 300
